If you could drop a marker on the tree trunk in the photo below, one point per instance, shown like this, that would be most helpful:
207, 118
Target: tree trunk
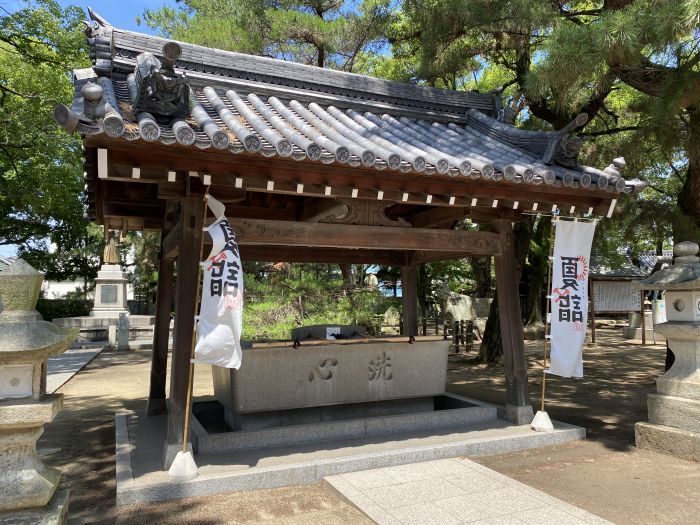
348, 279
423, 290
481, 268
492, 345
687, 227
537, 271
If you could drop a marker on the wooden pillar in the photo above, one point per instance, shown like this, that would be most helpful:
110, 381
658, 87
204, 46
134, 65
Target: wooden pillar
161, 334
518, 407
644, 323
409, 298
191, 210
591, 302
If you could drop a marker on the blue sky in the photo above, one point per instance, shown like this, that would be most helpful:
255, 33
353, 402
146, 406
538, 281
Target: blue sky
120, 14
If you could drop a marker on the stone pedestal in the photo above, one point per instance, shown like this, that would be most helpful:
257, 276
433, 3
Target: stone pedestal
27, 486
55, 512
110, 292
674, 411
634, 330
26, 481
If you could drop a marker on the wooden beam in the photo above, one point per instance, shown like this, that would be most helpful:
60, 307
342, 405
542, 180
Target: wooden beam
253, 168
313, 210
518, 406
161, 335
490, 214
274, 253
191, 213
436, 216
170, 242
427, 257
263, 232
131, 208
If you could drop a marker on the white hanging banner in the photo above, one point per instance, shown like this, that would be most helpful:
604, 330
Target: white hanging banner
569, 296
221, 312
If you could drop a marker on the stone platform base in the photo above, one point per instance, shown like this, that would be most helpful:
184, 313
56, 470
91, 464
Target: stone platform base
348, 422
303, 416
96, 328
668, 440
674, 412
140, 478
55, 513
636, 333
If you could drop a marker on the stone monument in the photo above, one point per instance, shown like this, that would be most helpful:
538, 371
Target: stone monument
674, 411
110, 285
28, 487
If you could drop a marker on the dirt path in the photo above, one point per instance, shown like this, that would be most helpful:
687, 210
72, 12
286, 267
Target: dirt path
605, 474
608, 401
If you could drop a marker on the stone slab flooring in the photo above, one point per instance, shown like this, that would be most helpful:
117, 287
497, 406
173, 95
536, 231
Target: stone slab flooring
64, 366
452, 492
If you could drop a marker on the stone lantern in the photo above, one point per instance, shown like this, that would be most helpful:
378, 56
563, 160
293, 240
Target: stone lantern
27, 486
674, 411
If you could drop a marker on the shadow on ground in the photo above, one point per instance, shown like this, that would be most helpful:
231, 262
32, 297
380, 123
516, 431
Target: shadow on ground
607, 402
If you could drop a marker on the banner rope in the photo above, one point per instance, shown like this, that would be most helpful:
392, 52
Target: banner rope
188, 405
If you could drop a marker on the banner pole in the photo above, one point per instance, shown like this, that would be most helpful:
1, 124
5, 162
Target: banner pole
547, 324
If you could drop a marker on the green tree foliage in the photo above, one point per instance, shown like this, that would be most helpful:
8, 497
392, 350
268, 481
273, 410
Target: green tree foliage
41, 175
72, 251
631, 65
337, 34
143, 271
281, 297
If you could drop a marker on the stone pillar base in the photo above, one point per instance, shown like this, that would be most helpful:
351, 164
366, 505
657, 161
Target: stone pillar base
673, 411
156, 407
54, 513
519, 415
668, 440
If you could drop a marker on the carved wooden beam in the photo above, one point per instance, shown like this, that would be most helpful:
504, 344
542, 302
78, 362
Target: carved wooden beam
317, 209
264, 232
436, 216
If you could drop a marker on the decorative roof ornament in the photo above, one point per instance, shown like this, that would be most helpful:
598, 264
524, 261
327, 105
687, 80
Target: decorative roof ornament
158, 89
564, 148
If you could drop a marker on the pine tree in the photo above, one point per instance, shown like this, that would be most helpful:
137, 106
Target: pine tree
336, 34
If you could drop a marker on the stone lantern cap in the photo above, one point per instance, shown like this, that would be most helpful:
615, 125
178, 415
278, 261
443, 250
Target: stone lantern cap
20, 285
684, 274
23, 334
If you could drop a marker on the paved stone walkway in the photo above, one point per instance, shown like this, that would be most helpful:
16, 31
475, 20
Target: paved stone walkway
64, 366
452, 492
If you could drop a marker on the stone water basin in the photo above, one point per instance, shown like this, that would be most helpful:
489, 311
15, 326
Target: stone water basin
284, 378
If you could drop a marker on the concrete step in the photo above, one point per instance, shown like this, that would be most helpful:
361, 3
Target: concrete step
140, 477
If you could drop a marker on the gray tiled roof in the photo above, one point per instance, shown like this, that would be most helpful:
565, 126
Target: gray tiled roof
272, 107
624, 271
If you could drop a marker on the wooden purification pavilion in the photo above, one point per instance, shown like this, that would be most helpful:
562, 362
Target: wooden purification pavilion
314, 166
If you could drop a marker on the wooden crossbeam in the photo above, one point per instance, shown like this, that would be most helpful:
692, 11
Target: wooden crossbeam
296, 254
171, 242
265, 232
